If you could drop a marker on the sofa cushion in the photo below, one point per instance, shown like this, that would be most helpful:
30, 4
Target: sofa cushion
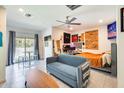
71, 59
65, 70
65, 79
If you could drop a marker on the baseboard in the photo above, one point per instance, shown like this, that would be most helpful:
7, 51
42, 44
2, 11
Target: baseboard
100, 69
42, 58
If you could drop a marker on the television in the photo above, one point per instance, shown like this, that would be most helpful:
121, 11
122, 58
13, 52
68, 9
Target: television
67, 38
112, 30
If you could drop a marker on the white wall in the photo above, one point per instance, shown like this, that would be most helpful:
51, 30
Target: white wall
57, 34
104, 43
120, 51
21, 32
46, 51
3, 52
41, 46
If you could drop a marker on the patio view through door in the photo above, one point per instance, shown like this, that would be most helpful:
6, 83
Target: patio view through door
24, 45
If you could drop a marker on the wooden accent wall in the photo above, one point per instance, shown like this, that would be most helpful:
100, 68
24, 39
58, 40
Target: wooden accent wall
82, 37
91, 40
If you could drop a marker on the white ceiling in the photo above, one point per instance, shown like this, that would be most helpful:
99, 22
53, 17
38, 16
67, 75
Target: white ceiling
44, 16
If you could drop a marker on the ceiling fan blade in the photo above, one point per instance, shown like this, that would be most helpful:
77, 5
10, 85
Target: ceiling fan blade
75, 23
74, 18
61, 21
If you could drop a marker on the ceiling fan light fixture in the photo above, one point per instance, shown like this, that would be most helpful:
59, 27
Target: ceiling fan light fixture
100, 21
21, 10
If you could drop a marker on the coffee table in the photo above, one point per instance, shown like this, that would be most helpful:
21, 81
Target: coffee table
38, 79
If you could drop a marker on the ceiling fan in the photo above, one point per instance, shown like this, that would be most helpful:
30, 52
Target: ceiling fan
69, 21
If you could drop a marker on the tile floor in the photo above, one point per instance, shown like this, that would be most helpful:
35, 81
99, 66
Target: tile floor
15, 77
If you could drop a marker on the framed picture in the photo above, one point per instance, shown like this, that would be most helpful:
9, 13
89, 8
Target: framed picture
122, 19
1, 39
112, 30
75, 38
67, 38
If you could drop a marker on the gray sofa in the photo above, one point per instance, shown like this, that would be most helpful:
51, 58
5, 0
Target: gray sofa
71, 69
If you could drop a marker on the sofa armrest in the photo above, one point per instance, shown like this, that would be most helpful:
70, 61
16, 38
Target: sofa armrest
83, 74
51, 59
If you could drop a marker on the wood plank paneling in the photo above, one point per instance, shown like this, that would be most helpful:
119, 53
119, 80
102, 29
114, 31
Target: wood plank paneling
91, 40
82, 37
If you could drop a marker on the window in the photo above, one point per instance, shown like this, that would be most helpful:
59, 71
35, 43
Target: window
23, 45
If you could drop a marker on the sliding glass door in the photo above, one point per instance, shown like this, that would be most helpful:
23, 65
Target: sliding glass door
29, 47
20, 48
24, 45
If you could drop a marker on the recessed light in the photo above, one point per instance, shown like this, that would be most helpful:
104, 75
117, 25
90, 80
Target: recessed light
100, 21
70, 28
21, 10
